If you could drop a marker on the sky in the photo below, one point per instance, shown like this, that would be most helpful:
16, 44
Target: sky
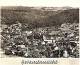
40, 3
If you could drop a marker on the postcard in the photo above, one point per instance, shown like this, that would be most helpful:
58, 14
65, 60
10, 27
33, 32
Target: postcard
39, 32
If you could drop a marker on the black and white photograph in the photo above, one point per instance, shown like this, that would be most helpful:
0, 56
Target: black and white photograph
39, 32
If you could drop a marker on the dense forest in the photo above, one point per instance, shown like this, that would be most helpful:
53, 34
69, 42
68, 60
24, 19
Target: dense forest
39, 17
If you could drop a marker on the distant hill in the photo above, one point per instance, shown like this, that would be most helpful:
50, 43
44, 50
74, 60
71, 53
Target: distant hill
39, 16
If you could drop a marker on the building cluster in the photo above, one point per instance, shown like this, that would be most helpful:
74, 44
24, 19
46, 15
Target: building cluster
45, 42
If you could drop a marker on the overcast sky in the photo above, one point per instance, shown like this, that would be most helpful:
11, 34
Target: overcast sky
47, 3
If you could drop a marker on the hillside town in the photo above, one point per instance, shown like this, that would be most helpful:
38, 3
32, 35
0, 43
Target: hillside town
44, 42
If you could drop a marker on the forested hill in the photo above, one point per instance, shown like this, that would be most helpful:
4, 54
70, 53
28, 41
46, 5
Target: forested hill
39, 16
